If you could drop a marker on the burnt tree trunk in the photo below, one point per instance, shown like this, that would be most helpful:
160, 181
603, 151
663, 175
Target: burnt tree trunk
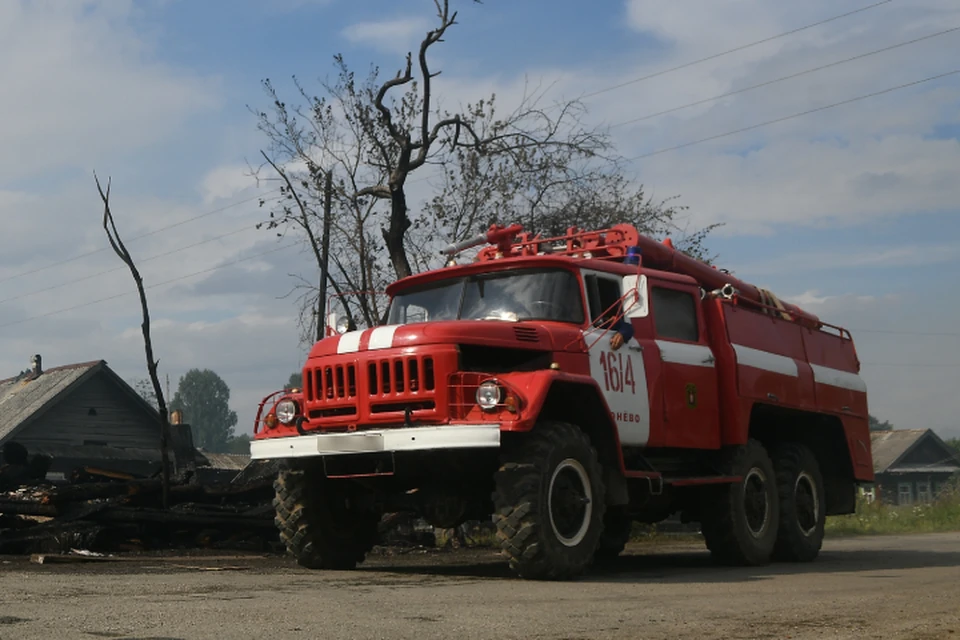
110, 227
399, 223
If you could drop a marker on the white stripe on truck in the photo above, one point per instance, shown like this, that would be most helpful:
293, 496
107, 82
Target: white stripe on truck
382, 337
775, 363
837, 378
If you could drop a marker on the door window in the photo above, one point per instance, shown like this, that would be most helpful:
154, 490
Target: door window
675, 314
605, 299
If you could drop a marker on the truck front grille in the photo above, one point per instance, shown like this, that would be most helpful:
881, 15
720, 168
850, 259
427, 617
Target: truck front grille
393, 376
378, 387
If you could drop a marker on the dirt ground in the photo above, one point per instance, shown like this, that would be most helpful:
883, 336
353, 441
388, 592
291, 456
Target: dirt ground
879, 587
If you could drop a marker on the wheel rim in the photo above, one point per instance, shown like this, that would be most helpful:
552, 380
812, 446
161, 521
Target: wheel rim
756, 502
569, 503
807, 502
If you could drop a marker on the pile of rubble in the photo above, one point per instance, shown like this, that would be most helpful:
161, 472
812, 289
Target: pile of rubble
99, 509
103, 510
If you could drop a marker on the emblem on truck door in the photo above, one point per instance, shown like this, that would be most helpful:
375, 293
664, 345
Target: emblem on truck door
692, 396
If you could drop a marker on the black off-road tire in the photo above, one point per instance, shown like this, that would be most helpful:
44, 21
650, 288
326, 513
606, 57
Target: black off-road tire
550, 465
802, 504
617, 526
317, 522
740, 521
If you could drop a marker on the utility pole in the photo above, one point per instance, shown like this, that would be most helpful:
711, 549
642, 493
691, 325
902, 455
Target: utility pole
324, 255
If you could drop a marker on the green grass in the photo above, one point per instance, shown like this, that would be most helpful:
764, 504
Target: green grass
877, 519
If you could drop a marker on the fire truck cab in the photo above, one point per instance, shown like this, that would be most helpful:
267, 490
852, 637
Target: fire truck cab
568, 387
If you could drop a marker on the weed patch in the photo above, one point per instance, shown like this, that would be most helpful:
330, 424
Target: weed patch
877, 518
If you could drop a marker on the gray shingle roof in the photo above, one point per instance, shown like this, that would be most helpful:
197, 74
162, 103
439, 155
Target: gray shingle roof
22, 399
889, 446
228, 461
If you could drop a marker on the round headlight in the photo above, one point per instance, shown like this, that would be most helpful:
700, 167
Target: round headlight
488, 395
286, 411
343, 325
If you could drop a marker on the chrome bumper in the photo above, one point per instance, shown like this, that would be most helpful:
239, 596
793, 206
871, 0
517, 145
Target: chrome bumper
461, 436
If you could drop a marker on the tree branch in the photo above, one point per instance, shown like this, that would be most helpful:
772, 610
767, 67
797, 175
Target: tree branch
386, 115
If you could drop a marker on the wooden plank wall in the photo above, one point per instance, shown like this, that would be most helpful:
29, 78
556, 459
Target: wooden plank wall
116, 419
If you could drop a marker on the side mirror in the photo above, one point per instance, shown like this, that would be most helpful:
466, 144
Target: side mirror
635, 299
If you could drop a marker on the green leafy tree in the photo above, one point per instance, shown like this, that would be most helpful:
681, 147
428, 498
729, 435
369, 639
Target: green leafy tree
238, 444
204, 400
295, 382
954, 443
876, 425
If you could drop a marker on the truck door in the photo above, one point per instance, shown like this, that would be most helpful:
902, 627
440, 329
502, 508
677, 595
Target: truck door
690, 407
619, 372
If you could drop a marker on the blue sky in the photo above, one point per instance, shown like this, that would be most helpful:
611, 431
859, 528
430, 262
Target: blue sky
851, 211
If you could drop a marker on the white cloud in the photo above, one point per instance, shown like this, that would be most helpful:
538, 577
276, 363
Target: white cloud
859, 257
226, 182
80, 83
391, 36
839, 303
808, 298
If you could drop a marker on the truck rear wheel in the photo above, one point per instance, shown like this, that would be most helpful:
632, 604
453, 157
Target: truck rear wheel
740, 521
319, 524
802, 512
549, 502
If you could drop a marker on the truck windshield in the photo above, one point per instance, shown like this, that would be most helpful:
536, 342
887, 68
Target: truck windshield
506, 295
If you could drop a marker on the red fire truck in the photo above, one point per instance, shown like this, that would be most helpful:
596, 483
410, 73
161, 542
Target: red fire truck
569, 387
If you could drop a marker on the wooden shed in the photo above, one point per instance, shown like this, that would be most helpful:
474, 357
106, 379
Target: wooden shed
80, 415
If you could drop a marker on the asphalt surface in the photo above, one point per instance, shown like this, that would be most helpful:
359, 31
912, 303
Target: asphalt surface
877, 587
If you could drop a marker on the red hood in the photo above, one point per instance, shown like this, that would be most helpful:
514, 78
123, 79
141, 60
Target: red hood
545, 336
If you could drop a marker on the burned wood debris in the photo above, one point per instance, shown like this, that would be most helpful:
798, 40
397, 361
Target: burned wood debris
104, 510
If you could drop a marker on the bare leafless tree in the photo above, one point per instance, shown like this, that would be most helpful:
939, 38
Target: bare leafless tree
373, 134
110, 227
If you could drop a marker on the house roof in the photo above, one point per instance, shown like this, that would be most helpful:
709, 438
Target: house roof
890, 446
228, 461
23, 399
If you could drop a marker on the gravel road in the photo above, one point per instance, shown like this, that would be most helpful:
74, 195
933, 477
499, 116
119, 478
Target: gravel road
878, 587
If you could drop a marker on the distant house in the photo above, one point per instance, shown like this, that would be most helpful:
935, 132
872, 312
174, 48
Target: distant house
911, 465
80, 415
214, 468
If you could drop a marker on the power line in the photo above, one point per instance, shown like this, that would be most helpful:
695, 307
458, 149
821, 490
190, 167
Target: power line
734, 50
712, 57
907, 333
792, 116
931, 365
785, 78
152, 286
143, 235
123, 268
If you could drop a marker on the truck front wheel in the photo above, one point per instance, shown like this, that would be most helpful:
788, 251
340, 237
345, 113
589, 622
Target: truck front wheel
549, 502
802, 511
321, 526
740, 521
